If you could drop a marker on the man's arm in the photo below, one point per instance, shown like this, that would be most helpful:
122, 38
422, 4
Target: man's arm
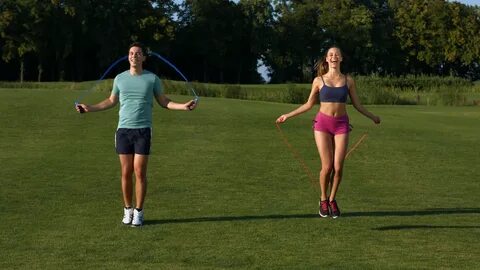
166, 103
103, 105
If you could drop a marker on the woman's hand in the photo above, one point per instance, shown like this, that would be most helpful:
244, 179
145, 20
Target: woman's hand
281, 119
376, 119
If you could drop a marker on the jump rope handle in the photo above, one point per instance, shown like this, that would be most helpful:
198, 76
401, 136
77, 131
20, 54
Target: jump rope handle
80, 108
195, 102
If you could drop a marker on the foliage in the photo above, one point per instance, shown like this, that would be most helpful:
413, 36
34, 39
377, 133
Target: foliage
439, 37
408, 90
223, 41
295, 94
220, 41
235, 91
82, 39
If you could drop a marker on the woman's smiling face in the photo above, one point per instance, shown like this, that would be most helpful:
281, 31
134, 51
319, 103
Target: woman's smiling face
334, 57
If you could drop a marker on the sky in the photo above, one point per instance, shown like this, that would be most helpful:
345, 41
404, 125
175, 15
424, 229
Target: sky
468, 2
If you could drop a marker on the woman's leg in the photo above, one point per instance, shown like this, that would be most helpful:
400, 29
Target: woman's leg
325, 150
341, 145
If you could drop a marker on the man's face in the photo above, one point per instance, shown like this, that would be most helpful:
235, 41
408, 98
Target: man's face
136, 57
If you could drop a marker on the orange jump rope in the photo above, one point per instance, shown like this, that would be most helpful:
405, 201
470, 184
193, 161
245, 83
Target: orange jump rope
313, 180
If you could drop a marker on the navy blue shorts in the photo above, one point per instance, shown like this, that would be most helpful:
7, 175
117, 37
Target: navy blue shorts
133, 141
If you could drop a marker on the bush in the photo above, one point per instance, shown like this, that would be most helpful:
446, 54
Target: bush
295, 95
383, 96
405, 90
452, 96
410, 82
235, 91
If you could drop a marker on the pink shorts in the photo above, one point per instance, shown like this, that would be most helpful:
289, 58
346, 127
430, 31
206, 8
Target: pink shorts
330, 124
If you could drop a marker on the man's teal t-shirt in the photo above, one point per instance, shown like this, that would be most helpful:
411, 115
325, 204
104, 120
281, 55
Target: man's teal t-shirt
136, 94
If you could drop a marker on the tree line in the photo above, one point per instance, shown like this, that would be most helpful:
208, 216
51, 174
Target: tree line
222, 41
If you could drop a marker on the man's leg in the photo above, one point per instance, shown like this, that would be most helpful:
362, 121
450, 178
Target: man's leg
140, 167
126, 163
140, 161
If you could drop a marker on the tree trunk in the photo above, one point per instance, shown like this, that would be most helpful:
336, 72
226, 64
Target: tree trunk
22, 69
40, 72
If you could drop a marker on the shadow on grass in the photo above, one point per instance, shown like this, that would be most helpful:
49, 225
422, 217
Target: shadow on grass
428, 227
426, 212
228, 218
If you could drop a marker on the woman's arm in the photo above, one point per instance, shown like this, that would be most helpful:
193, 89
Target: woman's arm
356, 101
305, 107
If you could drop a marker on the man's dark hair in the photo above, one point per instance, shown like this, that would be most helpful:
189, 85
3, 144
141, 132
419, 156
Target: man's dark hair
140, 45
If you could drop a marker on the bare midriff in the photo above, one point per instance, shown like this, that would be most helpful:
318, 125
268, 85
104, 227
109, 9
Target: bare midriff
333, 108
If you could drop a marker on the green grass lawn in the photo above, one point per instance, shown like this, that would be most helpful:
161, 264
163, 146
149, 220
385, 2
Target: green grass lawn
226, 193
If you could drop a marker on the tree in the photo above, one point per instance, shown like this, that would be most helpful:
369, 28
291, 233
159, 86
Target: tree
462, 44
258, 25
384, 55
293, 48
104, 30
16, 30
420, 30
438, 36
304, 30
209, 40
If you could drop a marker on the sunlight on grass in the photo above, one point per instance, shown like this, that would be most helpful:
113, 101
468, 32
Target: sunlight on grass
226, 193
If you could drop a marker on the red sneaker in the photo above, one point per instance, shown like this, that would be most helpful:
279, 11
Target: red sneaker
323, 208
334, 210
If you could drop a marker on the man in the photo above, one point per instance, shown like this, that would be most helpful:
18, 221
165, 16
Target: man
135, 90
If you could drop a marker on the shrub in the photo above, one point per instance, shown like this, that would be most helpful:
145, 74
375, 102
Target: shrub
405, 90
235, 91
295, 95
451, 96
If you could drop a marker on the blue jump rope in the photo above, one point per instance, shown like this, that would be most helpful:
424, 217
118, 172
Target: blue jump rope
195, 99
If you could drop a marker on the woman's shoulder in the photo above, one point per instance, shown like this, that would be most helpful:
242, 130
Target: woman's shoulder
318, 80
317, 83
349, 79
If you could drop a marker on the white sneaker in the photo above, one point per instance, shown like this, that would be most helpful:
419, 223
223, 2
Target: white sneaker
127, 215
137, 218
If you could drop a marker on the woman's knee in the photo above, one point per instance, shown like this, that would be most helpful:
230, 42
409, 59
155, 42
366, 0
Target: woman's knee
326, 169
338, 170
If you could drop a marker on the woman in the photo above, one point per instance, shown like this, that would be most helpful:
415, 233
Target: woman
331, 124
